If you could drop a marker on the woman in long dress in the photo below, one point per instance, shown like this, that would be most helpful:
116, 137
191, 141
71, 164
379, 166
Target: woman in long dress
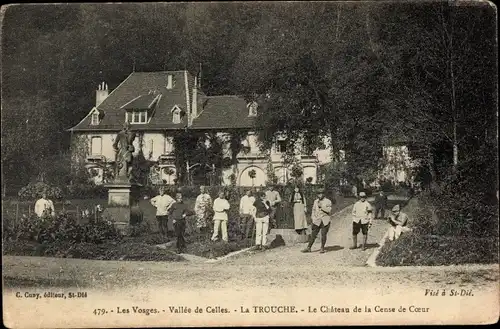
299, 210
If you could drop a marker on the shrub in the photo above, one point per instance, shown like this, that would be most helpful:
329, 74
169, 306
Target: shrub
86, 191
139, 229
33, 191
61, 228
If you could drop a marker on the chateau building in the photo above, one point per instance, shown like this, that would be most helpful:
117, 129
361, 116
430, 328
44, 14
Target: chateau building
157, 104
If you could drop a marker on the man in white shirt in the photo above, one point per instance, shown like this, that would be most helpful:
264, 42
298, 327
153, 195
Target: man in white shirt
362, 213
202, 208
221, 206
162, 202
274, 198
44, 207
246, 211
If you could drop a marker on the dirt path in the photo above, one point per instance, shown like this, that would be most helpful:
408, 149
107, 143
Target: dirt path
337, 246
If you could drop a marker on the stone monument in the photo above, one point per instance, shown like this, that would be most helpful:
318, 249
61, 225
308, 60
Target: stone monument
123, 192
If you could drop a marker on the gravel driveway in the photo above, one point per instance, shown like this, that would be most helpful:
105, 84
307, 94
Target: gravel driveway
339, 240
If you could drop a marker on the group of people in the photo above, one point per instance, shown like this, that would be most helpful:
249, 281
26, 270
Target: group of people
362, 218
257, 212
255, 207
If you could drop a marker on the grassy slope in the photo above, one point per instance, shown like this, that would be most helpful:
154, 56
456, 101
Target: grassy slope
413, 249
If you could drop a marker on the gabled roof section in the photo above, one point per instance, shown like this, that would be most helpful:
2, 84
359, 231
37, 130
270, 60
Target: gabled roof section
176, 107
223, 112
136, 87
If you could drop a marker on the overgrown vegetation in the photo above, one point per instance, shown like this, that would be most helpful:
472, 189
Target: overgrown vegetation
454, 222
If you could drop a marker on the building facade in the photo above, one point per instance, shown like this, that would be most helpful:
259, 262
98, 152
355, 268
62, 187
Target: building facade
158, 104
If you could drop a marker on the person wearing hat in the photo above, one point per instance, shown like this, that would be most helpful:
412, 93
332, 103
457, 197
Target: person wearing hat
398, 221
361, 220
261, 212
320, 217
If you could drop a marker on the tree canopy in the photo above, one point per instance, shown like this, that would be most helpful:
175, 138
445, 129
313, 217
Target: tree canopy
361, 74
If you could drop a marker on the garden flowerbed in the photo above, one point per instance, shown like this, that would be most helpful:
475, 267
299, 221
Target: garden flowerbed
431, 250
109, 250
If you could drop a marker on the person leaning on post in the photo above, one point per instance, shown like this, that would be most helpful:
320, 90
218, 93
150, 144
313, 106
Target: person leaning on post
320, 217
361, 220
221, 206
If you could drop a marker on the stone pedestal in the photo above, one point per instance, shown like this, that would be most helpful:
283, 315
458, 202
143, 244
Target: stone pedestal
286, 237
123, 204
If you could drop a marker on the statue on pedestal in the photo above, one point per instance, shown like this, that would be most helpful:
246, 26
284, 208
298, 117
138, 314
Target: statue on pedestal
124, 149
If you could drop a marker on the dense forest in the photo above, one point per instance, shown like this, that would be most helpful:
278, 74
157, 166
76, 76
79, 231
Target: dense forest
362, 74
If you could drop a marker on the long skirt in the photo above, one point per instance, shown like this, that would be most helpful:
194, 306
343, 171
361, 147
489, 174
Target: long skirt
299, 216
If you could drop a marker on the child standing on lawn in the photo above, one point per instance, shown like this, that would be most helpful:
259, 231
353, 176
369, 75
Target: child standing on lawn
178, 212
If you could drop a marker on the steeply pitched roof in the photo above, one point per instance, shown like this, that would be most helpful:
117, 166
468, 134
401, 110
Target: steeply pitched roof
223, 112
135, 90
148, 90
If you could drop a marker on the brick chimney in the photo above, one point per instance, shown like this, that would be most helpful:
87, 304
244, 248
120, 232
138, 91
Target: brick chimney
101, 93
194, 106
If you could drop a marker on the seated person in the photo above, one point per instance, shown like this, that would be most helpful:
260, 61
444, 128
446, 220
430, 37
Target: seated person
398, 221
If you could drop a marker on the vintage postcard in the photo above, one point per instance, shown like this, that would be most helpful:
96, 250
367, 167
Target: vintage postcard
249, 164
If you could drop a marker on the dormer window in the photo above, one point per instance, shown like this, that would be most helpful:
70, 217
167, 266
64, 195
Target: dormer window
139, 116
176, 114
94, 118
176, 117
252, 109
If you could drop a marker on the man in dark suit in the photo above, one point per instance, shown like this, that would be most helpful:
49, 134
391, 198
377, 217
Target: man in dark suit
179, 211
